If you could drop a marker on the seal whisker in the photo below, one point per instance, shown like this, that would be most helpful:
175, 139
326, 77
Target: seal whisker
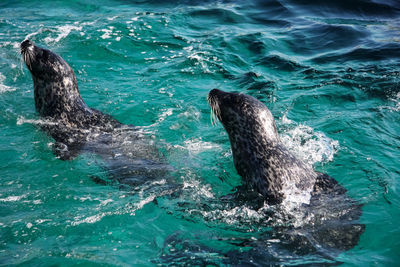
25, 57
215, 110
30, 56
27, 52
212, 114
18, 55
20, 59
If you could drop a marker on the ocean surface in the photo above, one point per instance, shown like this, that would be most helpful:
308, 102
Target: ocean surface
329, 71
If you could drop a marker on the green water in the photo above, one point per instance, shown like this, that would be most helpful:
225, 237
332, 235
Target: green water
329, 72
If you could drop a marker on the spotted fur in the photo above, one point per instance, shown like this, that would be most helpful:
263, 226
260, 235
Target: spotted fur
258, 154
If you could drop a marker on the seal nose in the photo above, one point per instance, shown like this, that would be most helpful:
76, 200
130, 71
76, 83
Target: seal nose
215, 92
25, 44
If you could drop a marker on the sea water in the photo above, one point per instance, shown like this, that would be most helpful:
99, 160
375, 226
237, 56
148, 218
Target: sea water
329, 71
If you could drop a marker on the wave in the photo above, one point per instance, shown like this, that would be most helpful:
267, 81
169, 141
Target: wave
320, 37
56, 33
361, 54
343, 8
220, 15
280, 62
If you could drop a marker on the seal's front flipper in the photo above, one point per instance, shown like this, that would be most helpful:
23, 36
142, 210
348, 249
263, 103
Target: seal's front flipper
66, 152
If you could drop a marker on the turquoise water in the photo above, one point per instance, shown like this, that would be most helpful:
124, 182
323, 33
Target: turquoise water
328, 71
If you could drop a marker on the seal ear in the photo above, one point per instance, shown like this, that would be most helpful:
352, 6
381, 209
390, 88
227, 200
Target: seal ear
65, 152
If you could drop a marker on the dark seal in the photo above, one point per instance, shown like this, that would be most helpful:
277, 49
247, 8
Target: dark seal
57, 98
258, 154
326, 219
128, 153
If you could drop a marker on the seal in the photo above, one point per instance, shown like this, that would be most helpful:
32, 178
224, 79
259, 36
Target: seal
57, 99
258, 154
326, 218
129, 155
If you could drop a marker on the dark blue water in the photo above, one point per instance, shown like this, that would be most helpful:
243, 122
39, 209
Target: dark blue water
327, 70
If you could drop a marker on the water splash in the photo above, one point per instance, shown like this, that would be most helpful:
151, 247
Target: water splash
22, 120
62, 31
308, 145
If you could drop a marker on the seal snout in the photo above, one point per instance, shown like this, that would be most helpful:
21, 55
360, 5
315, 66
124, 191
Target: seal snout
215, 92
25, 45
214, 104
27, 52
214, 95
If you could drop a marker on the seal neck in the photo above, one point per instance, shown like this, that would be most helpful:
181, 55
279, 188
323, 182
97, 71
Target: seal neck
52, 98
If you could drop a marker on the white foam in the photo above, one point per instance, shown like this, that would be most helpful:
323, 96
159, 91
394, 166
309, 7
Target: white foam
201, 190
396, 101
112, 18
285, 213
163, 90
63, 31
15, 45
37, 202
39, 221
90, 219
128, 208
200, 59
21, 120
142, 203
5, 88
107, 33
165, 114
309, 146
196, 146
12, 198
235, 215
295, 195
29, 36
105, 202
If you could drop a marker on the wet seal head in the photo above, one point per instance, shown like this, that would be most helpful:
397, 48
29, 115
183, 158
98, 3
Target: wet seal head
55, 86
243, 116
56, 90
258, 155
